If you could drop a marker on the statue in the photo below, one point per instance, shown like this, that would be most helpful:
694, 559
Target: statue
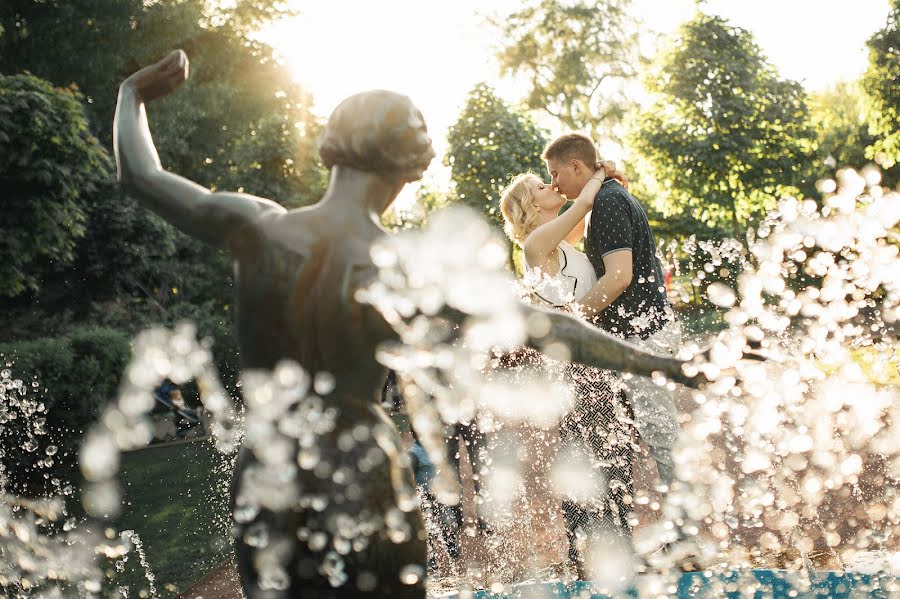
296, 273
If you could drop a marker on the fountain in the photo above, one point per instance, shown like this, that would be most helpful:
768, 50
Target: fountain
791, 462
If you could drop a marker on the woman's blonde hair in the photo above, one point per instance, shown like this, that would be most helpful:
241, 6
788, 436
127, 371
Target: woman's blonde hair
518, 210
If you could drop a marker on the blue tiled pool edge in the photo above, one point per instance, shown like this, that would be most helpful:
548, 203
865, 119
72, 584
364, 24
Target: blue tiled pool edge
759, 584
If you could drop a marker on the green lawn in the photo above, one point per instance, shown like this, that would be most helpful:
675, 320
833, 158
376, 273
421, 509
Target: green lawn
176, 499
701, 322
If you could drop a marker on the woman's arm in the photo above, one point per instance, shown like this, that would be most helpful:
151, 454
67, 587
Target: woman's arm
215, 218
540, 245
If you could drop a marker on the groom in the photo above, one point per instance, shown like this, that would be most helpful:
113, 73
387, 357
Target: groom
629, 299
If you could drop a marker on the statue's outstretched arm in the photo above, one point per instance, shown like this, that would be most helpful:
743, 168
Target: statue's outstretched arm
217, 218
590, 346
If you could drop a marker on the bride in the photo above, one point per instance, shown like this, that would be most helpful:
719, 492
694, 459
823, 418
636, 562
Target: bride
531, 208
558, 275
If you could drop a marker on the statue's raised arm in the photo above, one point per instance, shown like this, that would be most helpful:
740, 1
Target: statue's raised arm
216, 218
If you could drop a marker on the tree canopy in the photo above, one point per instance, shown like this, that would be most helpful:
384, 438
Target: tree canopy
577, 57
726, 136
50, 167
489, 144
882, 86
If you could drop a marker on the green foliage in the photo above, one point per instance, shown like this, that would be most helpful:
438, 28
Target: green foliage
489, 144
577, 57
123, 249
76, 375
49, 165
240, 114
882, 86
240, 123
96, 43
837, 115
726, 136
278, 160
429, 197
84, 42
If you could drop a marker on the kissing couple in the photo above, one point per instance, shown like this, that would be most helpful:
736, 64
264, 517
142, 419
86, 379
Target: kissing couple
618, 285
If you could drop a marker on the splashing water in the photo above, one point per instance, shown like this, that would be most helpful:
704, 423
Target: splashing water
792, 461
157, 354
799, 455
41, 546
135, 540
48, 553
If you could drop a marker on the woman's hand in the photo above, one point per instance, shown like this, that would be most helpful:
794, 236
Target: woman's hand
160, 79
609, 166
612, 172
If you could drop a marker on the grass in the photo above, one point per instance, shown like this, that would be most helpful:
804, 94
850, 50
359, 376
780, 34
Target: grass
176, 499
878, 367
701, 322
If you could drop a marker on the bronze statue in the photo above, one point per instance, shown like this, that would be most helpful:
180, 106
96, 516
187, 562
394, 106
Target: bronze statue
296, 273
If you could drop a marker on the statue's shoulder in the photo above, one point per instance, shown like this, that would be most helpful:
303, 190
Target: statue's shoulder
276, 232
302, 221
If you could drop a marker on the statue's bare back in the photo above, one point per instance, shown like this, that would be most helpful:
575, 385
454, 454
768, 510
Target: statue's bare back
296, 285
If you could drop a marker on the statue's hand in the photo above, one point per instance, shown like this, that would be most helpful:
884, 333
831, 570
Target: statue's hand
160, 79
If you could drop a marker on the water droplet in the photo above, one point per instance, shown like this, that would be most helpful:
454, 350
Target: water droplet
411, 574
324, 383
257, 535
721, 295
317, 541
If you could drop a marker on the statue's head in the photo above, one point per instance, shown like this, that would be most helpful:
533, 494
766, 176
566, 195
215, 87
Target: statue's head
378, 132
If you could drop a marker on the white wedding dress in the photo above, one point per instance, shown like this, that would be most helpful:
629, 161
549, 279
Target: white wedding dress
572, 281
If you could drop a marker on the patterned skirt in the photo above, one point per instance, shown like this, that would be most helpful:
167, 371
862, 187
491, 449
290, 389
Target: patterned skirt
601, 426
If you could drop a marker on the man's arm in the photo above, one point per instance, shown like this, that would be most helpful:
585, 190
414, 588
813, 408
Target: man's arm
611, 285
216, 218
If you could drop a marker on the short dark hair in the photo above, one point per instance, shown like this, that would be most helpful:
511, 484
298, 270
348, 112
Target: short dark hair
569, 146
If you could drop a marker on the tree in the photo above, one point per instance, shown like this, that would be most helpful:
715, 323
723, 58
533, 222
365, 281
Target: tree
240, 100
837, 116
430, 196
242, 122
489, 144
50, 164
578, 58
279, 159
726, 136
881, 83
85, 42
96, 43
